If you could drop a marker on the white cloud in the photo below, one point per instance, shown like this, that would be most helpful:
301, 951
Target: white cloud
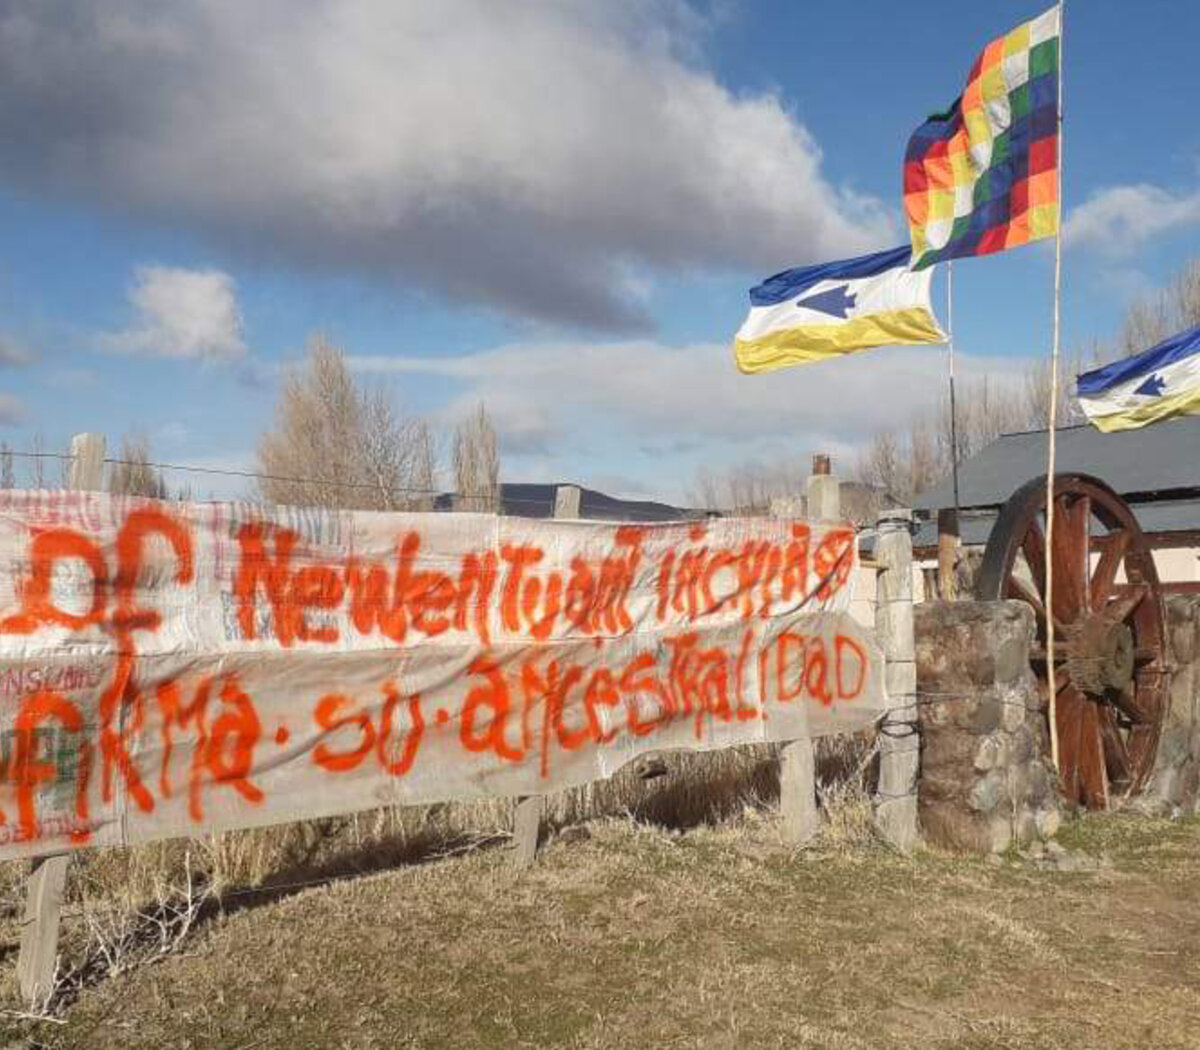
189, 314
671, 402
528, 157
11, 410
12, 352
1119, 220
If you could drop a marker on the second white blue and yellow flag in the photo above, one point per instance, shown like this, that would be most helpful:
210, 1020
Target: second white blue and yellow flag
817, 312
1158, 383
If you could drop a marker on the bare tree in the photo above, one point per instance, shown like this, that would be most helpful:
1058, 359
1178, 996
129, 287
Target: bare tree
335, 444
906, 463
746, 488
38, 462
884, 465
8, 475
476, 457
132, 474
1155, 317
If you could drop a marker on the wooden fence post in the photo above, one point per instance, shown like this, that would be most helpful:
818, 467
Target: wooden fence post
47, 880
797, 761
899, 745
527, 820
949, 542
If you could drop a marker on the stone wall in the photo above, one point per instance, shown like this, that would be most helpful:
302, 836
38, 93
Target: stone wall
986, 779
1174, 787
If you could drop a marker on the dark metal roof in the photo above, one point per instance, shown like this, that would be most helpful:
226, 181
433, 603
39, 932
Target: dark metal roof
535, 500
974, 530
1182, 515
1155, 460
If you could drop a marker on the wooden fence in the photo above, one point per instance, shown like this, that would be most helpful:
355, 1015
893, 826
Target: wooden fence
895, 804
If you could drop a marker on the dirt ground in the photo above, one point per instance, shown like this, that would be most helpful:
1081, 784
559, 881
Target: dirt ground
639, 937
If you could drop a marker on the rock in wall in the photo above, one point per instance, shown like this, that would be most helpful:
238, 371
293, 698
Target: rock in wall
1174, 786
986, 779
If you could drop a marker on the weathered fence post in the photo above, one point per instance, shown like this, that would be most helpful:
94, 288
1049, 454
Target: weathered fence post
527, 820
949, 543
899, 744
527, 829
48, 875
797, 762
567, 501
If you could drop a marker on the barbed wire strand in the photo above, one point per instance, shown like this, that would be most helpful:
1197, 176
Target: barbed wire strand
887, 725
289, 480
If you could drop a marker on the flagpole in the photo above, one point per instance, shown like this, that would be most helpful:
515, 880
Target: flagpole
1053, 416
953, 411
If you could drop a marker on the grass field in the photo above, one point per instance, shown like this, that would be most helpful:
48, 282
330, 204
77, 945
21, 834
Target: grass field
717, 937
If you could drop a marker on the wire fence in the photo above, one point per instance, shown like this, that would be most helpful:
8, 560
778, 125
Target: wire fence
888, 725
891, 725
455, 500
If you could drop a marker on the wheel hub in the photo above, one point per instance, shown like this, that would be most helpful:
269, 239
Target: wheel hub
1100, 655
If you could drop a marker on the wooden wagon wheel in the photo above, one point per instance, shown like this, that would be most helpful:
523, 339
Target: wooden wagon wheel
1110, 643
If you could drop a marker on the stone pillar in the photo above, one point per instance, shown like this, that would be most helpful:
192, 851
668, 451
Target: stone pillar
986, 778
1174, 786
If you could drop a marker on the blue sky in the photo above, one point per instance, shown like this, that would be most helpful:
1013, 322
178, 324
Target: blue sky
553, 208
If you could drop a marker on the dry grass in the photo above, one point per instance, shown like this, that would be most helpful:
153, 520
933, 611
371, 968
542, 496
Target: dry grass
130, 907
640, 933
719, 937
700, 789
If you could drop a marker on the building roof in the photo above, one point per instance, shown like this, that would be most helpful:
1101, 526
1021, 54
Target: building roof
1182, 515
536, 500
1140, 464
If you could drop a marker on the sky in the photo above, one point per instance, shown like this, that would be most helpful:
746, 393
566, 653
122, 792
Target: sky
555, 208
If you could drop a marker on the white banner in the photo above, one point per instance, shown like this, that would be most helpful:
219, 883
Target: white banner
168, 669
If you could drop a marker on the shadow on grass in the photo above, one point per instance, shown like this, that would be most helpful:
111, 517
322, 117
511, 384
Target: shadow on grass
698, 789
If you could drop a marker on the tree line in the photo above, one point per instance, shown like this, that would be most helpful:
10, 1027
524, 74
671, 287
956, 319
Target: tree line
907, 461
334, 443
338, 443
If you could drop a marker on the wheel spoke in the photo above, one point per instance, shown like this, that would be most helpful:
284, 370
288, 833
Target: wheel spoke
1069, 555
1037, 652
1081, 536
1126, 701
1116, 754
1121, 608
1093, 771
1105, 575
1068, 717
1142, 745
1144, 656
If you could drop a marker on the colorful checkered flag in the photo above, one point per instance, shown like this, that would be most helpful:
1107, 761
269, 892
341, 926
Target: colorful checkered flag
984, 176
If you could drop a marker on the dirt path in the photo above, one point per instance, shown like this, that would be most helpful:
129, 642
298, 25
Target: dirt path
637, 938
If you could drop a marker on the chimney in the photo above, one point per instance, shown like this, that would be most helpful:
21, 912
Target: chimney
821, 464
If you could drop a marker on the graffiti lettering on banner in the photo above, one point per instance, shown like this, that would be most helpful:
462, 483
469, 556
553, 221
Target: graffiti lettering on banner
168, 669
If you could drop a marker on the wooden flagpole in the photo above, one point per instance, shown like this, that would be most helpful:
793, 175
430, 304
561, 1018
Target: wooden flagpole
1053, 417
953, 411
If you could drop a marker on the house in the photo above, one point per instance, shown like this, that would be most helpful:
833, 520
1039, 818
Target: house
536, 500
860, 503
1156, 470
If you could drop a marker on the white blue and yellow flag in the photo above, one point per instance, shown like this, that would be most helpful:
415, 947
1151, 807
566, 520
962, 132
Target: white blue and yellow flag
817, 312
1158, 383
